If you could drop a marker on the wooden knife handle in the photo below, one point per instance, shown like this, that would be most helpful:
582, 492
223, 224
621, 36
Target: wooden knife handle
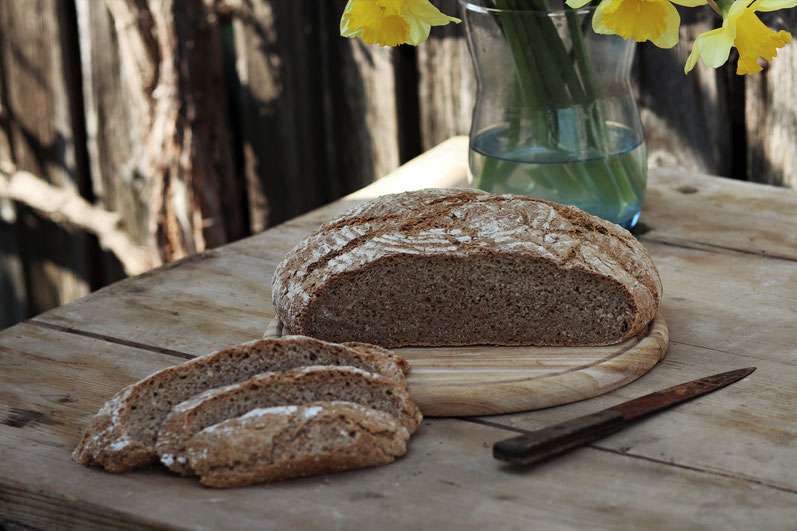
538, 445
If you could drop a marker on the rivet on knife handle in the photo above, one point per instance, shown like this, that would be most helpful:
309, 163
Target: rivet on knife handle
532, 447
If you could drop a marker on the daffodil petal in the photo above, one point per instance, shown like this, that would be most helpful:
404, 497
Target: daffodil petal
772, 5
419, 30
691, 61
689, 3
737, 10
429, 14
391, 22
575, 4
642, 20
344, 22
713, 47
597, 19
669, 38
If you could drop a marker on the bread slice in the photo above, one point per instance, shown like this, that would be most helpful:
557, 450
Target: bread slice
295, 387
463, 267
285, 442
122, 435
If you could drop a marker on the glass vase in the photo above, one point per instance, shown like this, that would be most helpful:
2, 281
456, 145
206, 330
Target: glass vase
555, 116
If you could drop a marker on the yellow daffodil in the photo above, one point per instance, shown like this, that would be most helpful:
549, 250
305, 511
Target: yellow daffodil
656, 21
743, 29
391, 22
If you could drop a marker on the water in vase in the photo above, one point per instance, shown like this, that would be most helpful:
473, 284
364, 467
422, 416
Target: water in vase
608, 186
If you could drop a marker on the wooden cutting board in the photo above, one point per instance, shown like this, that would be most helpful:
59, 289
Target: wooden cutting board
486, 380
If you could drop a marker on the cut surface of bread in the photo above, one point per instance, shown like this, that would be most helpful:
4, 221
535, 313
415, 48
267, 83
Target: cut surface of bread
295, 387
122, 435
283, 442
463, 267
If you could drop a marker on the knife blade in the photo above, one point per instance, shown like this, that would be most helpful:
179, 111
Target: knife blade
537, 445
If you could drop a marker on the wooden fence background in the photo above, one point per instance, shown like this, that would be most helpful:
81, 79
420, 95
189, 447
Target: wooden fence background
160, 128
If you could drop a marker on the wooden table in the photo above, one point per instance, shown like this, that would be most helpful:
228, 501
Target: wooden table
727, 253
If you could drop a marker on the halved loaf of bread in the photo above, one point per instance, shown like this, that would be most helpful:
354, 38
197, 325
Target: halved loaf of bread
295, 387
285, 442
122, 435
462, 267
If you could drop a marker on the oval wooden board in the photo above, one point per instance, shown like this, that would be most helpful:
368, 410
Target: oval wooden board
486, 380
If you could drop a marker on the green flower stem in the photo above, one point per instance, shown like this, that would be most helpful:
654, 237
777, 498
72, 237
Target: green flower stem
637, 176
602, 181
627, 194
533, 49
548, 40
574, 183
549, 80
597, 122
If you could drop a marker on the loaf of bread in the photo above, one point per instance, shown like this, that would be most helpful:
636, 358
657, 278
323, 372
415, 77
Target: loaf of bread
294, 387
122, 435
285, 442
463, 267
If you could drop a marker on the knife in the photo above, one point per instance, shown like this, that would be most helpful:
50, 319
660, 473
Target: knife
541, 444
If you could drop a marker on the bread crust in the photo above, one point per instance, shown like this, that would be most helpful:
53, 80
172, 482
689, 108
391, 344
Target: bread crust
437, 225
286, 442
294, 387
121, 436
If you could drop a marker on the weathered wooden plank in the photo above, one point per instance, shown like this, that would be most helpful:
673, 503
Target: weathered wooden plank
448, 480
739, 431
110, 129
362, 109
446, 81
12, 278
205, 303
771, 112
708, 298
158, 122
304, 147
716, 213
46, 387
42, 111
686, 118
12, 275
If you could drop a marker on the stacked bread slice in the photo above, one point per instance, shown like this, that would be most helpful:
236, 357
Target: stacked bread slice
266, 410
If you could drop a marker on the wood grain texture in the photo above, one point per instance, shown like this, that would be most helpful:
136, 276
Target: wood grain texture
717, 462
158, 123
448, 476
12, 278
715, 213
42, 114
110, 131
303, 147
446, 81
489, 380
13, 298
686, 117
212, 300
771, 112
